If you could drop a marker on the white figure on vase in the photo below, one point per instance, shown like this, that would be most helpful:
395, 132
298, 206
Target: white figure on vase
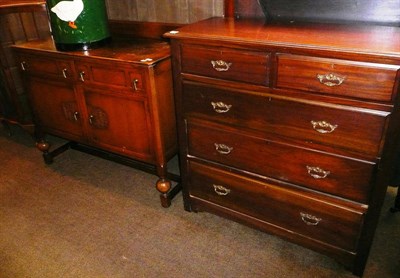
68, 11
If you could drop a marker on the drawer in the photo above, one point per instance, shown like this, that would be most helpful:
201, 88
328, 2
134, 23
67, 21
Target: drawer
244, 66
116, 76
294, 211
46, 67
341, 126
337, 77
337, 175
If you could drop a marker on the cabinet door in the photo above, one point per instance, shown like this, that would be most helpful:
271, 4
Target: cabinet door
55, 108
119, 122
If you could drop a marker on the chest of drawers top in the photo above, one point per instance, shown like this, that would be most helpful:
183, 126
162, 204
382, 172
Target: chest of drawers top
366, 40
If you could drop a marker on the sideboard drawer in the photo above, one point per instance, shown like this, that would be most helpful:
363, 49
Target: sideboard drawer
337, 175
246, 66
337, 77
344, 127
295, 211
118, 76
48, 66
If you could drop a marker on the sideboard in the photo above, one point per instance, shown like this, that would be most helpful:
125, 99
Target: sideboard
115, 101
290, 128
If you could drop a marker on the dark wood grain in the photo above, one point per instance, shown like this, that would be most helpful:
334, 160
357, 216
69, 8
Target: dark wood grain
270, 203
291, 117
245, 141
271, 158
381, 41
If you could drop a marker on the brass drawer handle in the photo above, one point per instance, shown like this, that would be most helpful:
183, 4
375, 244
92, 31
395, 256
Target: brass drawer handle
223, 149
221, 107
317, 173
330, 79
323, 126
64, 73
82, 76
135, 84
220, 65
221, 190
24, 66
76, 116
310, 219
91, 119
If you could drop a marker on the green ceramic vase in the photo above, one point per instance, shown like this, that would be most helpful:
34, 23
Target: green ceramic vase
78, 24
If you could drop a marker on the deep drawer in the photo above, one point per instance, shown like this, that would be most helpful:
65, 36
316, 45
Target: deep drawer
244, 66
295, 211
337, 77
346, 127
345, 177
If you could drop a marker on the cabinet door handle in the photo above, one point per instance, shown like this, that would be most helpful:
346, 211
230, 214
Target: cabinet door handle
76, 116
221, 107
220, 65
221, 190
82, 76
223, 149
323, 126
317, 173
135, 84
91, 119
310, 219
24, 66
330, 79
64, 73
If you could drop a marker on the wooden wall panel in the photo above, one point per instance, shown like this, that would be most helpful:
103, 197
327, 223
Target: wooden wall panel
176, 11
201, 9
248, 8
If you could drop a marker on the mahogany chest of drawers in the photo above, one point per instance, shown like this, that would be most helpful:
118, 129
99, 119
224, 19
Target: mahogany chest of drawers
290, 128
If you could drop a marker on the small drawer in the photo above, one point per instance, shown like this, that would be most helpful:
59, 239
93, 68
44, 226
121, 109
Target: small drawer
317, 218
346, 127
116, 76
47, 67
337, 77
340, 176
244, 66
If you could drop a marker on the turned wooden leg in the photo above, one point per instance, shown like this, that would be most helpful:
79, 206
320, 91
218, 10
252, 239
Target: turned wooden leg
167, 193
48, 156
163, 186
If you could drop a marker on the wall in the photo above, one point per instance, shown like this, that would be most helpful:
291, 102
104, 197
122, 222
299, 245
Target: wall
168, 11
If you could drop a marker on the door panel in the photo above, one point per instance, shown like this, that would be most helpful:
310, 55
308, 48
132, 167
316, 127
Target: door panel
55, 108
119, 123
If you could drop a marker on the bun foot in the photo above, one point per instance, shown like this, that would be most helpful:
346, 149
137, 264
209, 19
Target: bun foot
43, 146
167, 192
163, 185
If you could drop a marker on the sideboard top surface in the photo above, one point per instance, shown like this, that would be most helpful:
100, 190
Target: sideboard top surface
140, 51
367, 39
